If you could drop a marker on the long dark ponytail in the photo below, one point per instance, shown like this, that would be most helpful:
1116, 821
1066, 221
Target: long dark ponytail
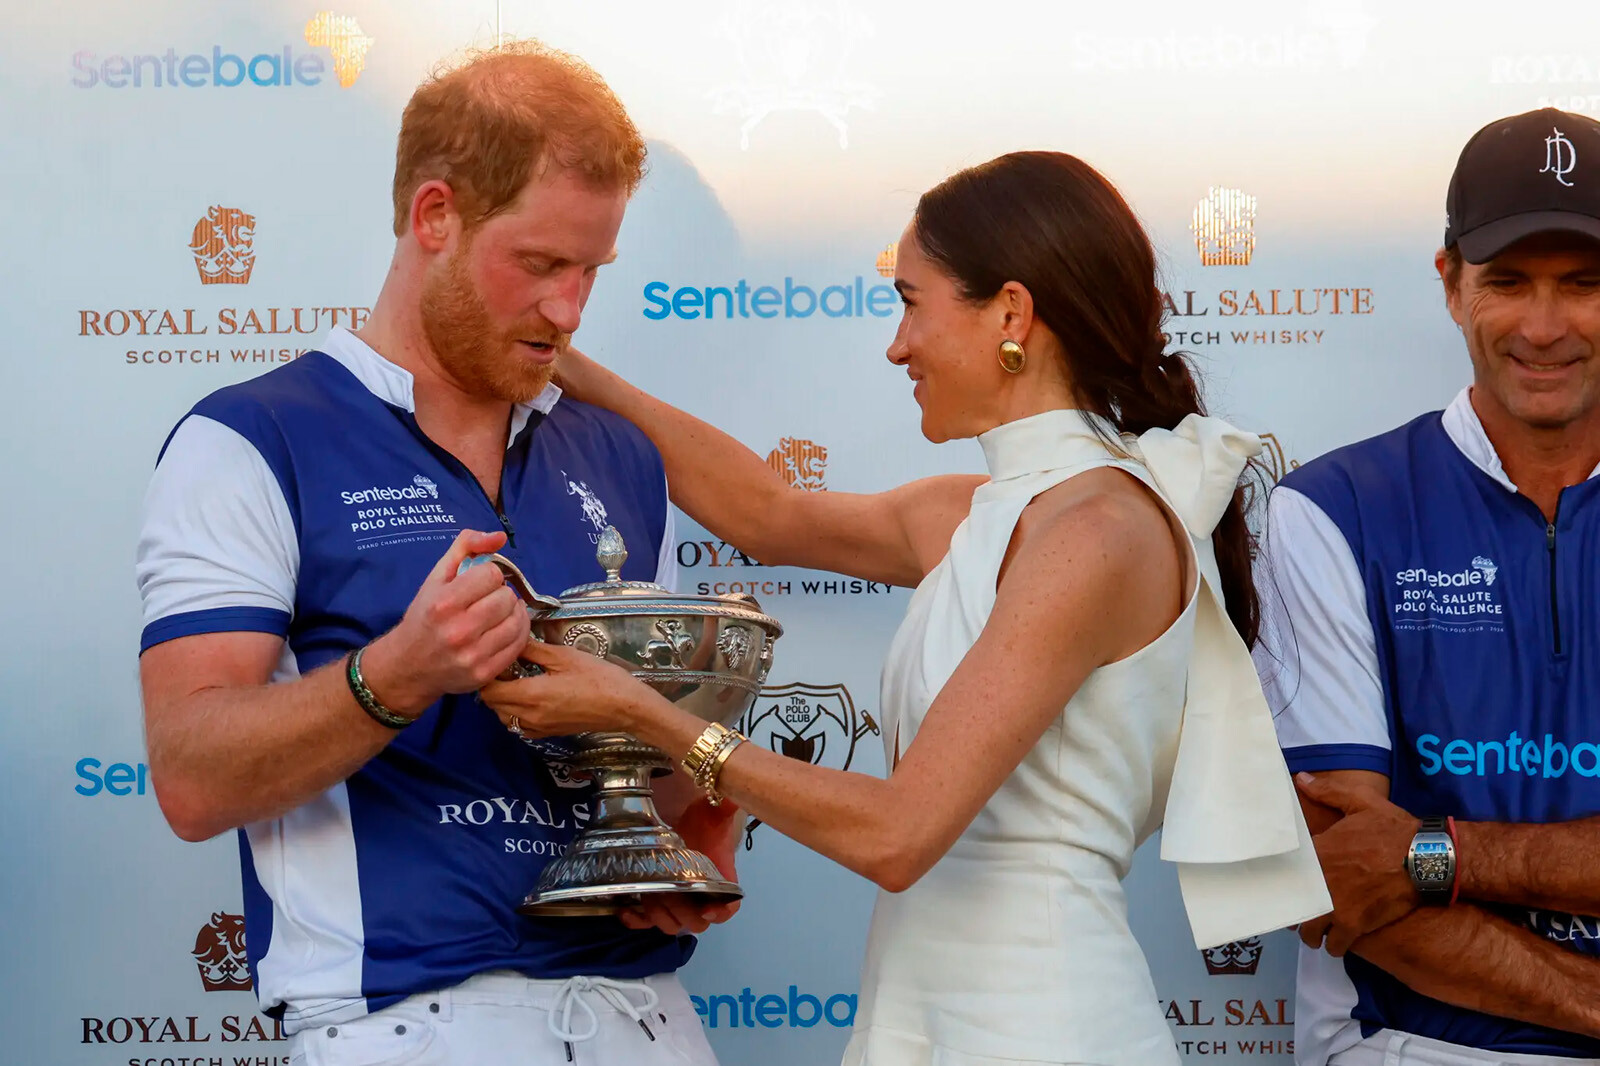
1050, 222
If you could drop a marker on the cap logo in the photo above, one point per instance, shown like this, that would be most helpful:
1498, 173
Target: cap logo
1560, 156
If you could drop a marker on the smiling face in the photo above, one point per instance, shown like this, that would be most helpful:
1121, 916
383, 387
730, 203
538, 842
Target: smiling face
948, 346
1531, 317
499, 309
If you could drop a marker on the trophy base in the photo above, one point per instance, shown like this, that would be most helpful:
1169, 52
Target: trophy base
627, 853
595, 903
612, 870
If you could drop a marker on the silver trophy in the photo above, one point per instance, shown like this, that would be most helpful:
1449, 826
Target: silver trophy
707, 654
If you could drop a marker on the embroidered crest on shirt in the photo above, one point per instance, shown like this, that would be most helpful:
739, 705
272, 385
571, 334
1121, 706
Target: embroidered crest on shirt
593, 508
1447, 599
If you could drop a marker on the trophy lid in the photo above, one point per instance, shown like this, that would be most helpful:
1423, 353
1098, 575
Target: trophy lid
634, 596
611, 553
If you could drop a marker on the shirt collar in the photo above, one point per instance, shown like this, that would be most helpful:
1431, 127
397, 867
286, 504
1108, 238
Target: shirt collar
1465, 430
392, 383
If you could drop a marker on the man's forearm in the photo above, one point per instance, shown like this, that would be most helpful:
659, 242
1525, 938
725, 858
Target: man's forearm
225, 757
1468, 957
1556, 865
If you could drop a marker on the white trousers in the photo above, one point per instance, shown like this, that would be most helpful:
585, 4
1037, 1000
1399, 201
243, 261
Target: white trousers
1389, 1048
504, 1019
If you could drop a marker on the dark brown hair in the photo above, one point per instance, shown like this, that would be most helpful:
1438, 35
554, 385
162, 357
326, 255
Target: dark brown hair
1452, 268
1051, 223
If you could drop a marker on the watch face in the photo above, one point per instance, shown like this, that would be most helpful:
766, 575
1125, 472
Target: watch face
1430, 862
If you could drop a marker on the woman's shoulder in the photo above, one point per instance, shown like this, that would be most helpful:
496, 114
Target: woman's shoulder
1103, 541
1107, 504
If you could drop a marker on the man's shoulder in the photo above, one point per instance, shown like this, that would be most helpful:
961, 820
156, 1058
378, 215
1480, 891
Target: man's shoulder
303, 383
302, 396
598, 426
1375, 469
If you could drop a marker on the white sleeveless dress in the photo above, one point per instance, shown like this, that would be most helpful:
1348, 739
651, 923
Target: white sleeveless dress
1015, 947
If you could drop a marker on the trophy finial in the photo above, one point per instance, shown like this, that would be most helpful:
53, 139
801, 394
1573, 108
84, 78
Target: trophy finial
611, 553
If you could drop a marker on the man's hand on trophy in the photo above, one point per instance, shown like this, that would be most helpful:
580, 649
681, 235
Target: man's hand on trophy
459, 632
1363, 859
714, 832
577, 693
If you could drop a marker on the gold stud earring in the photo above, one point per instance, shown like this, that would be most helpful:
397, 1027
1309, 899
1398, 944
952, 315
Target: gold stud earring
1012, 357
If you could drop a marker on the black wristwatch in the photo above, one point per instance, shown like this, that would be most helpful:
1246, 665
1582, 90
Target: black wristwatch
1431, 862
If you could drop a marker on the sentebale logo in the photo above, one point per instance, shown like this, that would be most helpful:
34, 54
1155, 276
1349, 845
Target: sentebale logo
1530, 756
284, 67
852, 298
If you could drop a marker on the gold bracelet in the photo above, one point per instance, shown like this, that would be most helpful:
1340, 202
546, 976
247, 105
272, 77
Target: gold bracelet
702, 749
713, 772
705, 758
706, 779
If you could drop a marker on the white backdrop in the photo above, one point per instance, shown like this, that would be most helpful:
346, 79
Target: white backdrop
789, 140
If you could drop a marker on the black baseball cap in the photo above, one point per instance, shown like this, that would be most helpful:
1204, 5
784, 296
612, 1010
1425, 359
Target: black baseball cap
1537, 172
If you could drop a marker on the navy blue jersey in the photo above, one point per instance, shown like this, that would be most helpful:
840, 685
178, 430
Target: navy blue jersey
1443, 633
307, 503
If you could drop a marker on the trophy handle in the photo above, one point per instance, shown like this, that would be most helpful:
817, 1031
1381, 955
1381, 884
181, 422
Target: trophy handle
515, 578
537, 604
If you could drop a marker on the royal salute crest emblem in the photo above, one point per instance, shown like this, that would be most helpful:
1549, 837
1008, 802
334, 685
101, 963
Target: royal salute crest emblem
1238, 958
223, 244
220, 955
802, 463
1224, 227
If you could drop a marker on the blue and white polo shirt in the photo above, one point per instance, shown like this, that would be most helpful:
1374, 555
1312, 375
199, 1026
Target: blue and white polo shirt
307, 503
1425, 621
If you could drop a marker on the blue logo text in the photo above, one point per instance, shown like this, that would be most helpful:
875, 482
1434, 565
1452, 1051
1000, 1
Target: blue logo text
119, 779
220, 69
1532, 757
855, 300
800, 1010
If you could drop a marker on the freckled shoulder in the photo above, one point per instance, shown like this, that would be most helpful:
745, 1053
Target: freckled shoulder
1109, 521
1105, 503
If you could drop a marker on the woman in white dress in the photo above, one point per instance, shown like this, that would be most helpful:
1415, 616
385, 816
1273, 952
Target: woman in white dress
1073, 666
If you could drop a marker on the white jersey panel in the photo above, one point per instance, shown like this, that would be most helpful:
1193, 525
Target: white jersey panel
1317, 657
217, 533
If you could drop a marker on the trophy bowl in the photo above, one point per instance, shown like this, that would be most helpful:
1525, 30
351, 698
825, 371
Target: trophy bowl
707, 654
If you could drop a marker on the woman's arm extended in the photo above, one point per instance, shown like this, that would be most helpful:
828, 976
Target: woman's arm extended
1091, 581
895, 537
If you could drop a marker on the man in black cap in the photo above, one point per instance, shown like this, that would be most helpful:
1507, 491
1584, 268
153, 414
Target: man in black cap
1432, 650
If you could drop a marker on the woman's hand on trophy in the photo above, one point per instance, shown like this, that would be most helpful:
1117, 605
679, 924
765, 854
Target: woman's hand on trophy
714, 832
577, 693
